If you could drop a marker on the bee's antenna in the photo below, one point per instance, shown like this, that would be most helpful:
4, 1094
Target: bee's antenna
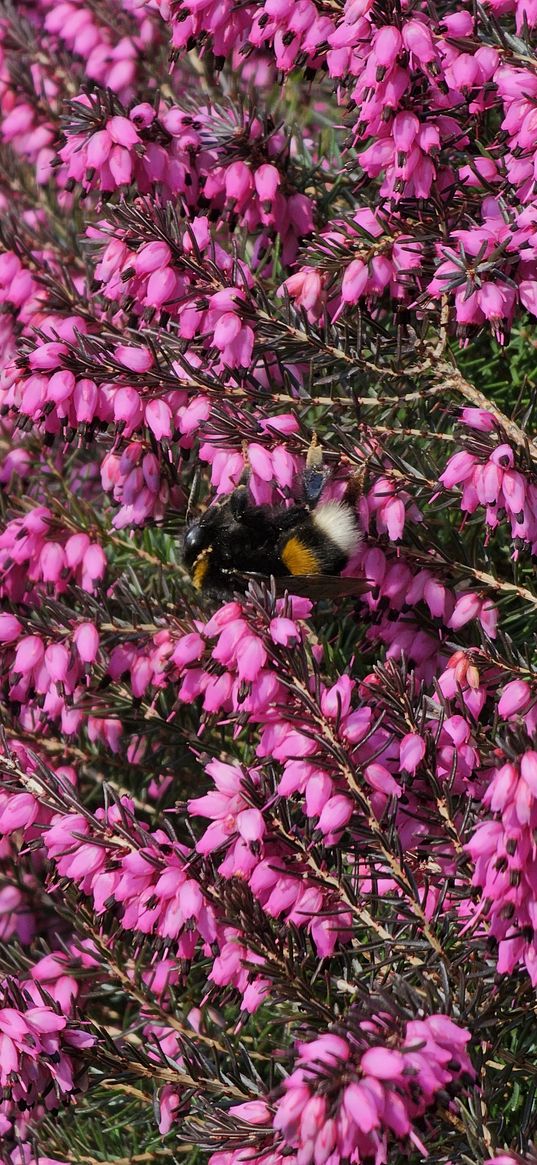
193, 494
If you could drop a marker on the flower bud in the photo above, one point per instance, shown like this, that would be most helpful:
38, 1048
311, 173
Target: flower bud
227, 329
60, 386
267, 180
354, 281
283, 631
503, 456
384, 1063
473, 678
135, 359
467, 607
387, 45
411, 752
29, 654
238, 181
459, 468
75, 549
120, 165
161, 286
336, 814
122, 131
98, 149
86, 640
10, 628
527, 291
418, 40
528, 769
405, 129
152, 257
52, 561
128, 406
158, 416
94, 562
85, 400
57, 662
515, 696
47, 355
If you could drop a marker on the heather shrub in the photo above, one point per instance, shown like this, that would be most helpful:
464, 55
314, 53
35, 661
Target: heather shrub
268, 864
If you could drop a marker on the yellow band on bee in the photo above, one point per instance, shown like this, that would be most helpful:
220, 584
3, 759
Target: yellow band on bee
200, 568
299, 559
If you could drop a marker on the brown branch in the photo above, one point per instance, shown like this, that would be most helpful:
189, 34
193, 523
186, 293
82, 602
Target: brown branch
454, 381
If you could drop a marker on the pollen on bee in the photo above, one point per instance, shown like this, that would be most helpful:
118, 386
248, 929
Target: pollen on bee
314, 458
200, 569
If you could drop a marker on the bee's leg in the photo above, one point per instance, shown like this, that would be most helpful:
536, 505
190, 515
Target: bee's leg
247, 469
314, 476
239, 501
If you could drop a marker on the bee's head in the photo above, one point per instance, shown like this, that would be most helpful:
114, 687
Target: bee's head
212, 543
198, 547
196, 539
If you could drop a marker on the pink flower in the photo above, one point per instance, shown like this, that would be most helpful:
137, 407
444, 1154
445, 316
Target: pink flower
460, 467
136, 359
305, 288
250, 656
468, 606
384, 1063
528, 294
86, 638
169, 1103
10, 628
515, 696
335, 815
354, 281
228, 809
283, 631
39, 1049
412, 751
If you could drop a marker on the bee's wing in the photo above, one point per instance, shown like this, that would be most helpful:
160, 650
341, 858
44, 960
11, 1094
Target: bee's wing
321, 586
308, 586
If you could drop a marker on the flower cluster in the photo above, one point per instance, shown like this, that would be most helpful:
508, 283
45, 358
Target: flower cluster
502, 850
267, 859
36, 554
422, 87
348, 1095
491, 476
149, 881
41, 1053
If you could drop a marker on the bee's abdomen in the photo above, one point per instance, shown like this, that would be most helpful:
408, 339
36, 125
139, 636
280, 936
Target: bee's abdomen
298, 557
324, 543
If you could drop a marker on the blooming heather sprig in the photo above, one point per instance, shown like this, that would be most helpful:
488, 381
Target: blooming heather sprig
36, 554
490, 475
41, 1067
502, 849
257, 854
348, 1096
357, 260
145, 875
267, 863
238, 166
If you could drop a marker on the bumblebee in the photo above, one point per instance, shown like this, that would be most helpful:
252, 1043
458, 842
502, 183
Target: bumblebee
235, 542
